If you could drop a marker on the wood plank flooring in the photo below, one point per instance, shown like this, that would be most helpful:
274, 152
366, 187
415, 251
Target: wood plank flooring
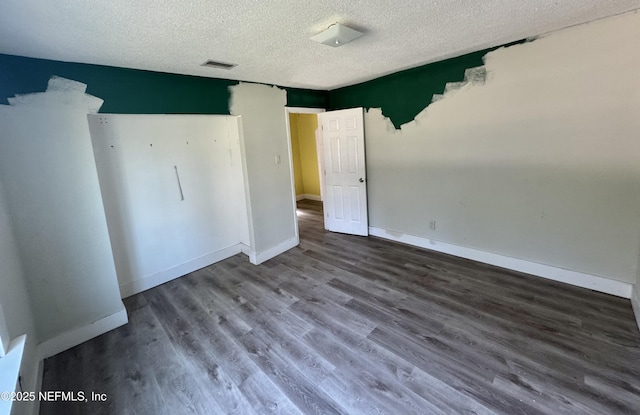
351, 325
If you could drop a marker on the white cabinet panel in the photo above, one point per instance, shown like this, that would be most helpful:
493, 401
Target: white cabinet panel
57, 216
173, 191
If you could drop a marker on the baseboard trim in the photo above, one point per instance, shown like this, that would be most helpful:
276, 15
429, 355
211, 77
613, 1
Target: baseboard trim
80, 335
635, 303
260, 257
142, 284
592, 282
308, 197
245, 249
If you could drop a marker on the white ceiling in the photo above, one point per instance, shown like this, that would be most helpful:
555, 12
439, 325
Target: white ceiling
269, 40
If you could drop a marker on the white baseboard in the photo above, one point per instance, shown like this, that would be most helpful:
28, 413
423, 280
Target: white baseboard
635, 303
260, 257
592, 282
82, 334
245, 249
142, 284
313, 197
309, 197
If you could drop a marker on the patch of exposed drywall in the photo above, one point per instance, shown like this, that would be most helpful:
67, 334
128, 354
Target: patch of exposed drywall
539, 162
268, 171
60, 93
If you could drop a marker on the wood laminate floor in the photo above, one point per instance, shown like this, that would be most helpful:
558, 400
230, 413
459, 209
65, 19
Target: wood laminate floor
350, 325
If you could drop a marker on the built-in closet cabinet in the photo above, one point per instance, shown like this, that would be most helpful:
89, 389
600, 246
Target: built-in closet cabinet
53, 200
174, 193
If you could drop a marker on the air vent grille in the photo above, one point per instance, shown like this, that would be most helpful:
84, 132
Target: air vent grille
219, 65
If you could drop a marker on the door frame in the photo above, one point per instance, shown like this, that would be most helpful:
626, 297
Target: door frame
301, 110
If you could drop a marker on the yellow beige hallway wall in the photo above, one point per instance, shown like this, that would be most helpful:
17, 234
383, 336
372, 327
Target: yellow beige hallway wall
304, 153
307, 125
295, 154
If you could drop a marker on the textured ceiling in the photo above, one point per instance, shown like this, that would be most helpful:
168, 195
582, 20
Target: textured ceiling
269, 40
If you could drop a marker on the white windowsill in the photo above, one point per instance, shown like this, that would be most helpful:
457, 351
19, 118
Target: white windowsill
9, 371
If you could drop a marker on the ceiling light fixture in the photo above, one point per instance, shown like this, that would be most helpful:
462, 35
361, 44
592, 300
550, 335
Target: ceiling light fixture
337, 35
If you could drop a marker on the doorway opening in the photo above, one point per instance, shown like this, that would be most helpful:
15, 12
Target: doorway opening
339, 165
305, 145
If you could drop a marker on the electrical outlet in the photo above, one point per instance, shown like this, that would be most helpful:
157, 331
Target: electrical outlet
432, 225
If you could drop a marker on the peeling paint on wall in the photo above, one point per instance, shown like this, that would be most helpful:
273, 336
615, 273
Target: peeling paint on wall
403, 95
530, 158
133, 91
473, 76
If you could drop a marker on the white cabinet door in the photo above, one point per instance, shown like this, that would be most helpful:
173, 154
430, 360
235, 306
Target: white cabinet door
170, 187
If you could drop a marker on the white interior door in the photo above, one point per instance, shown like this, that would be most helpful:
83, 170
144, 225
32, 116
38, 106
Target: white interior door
345, 179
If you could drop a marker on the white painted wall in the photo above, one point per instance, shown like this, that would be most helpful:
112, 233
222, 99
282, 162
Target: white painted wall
15, 302
53, 199
541, 163
5, 339
155, 234
271, 199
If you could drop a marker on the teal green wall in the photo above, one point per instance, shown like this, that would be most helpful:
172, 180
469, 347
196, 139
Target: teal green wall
308, 98
131, 91
402, 95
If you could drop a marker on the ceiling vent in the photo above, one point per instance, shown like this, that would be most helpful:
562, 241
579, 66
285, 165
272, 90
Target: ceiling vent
219, 65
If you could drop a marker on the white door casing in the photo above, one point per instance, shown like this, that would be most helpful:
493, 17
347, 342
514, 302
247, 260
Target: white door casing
345, 185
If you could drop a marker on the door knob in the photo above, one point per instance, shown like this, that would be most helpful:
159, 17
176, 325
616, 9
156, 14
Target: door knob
361, 180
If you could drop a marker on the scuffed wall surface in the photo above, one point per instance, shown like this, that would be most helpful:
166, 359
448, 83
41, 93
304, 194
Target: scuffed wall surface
265, 141
541, 162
